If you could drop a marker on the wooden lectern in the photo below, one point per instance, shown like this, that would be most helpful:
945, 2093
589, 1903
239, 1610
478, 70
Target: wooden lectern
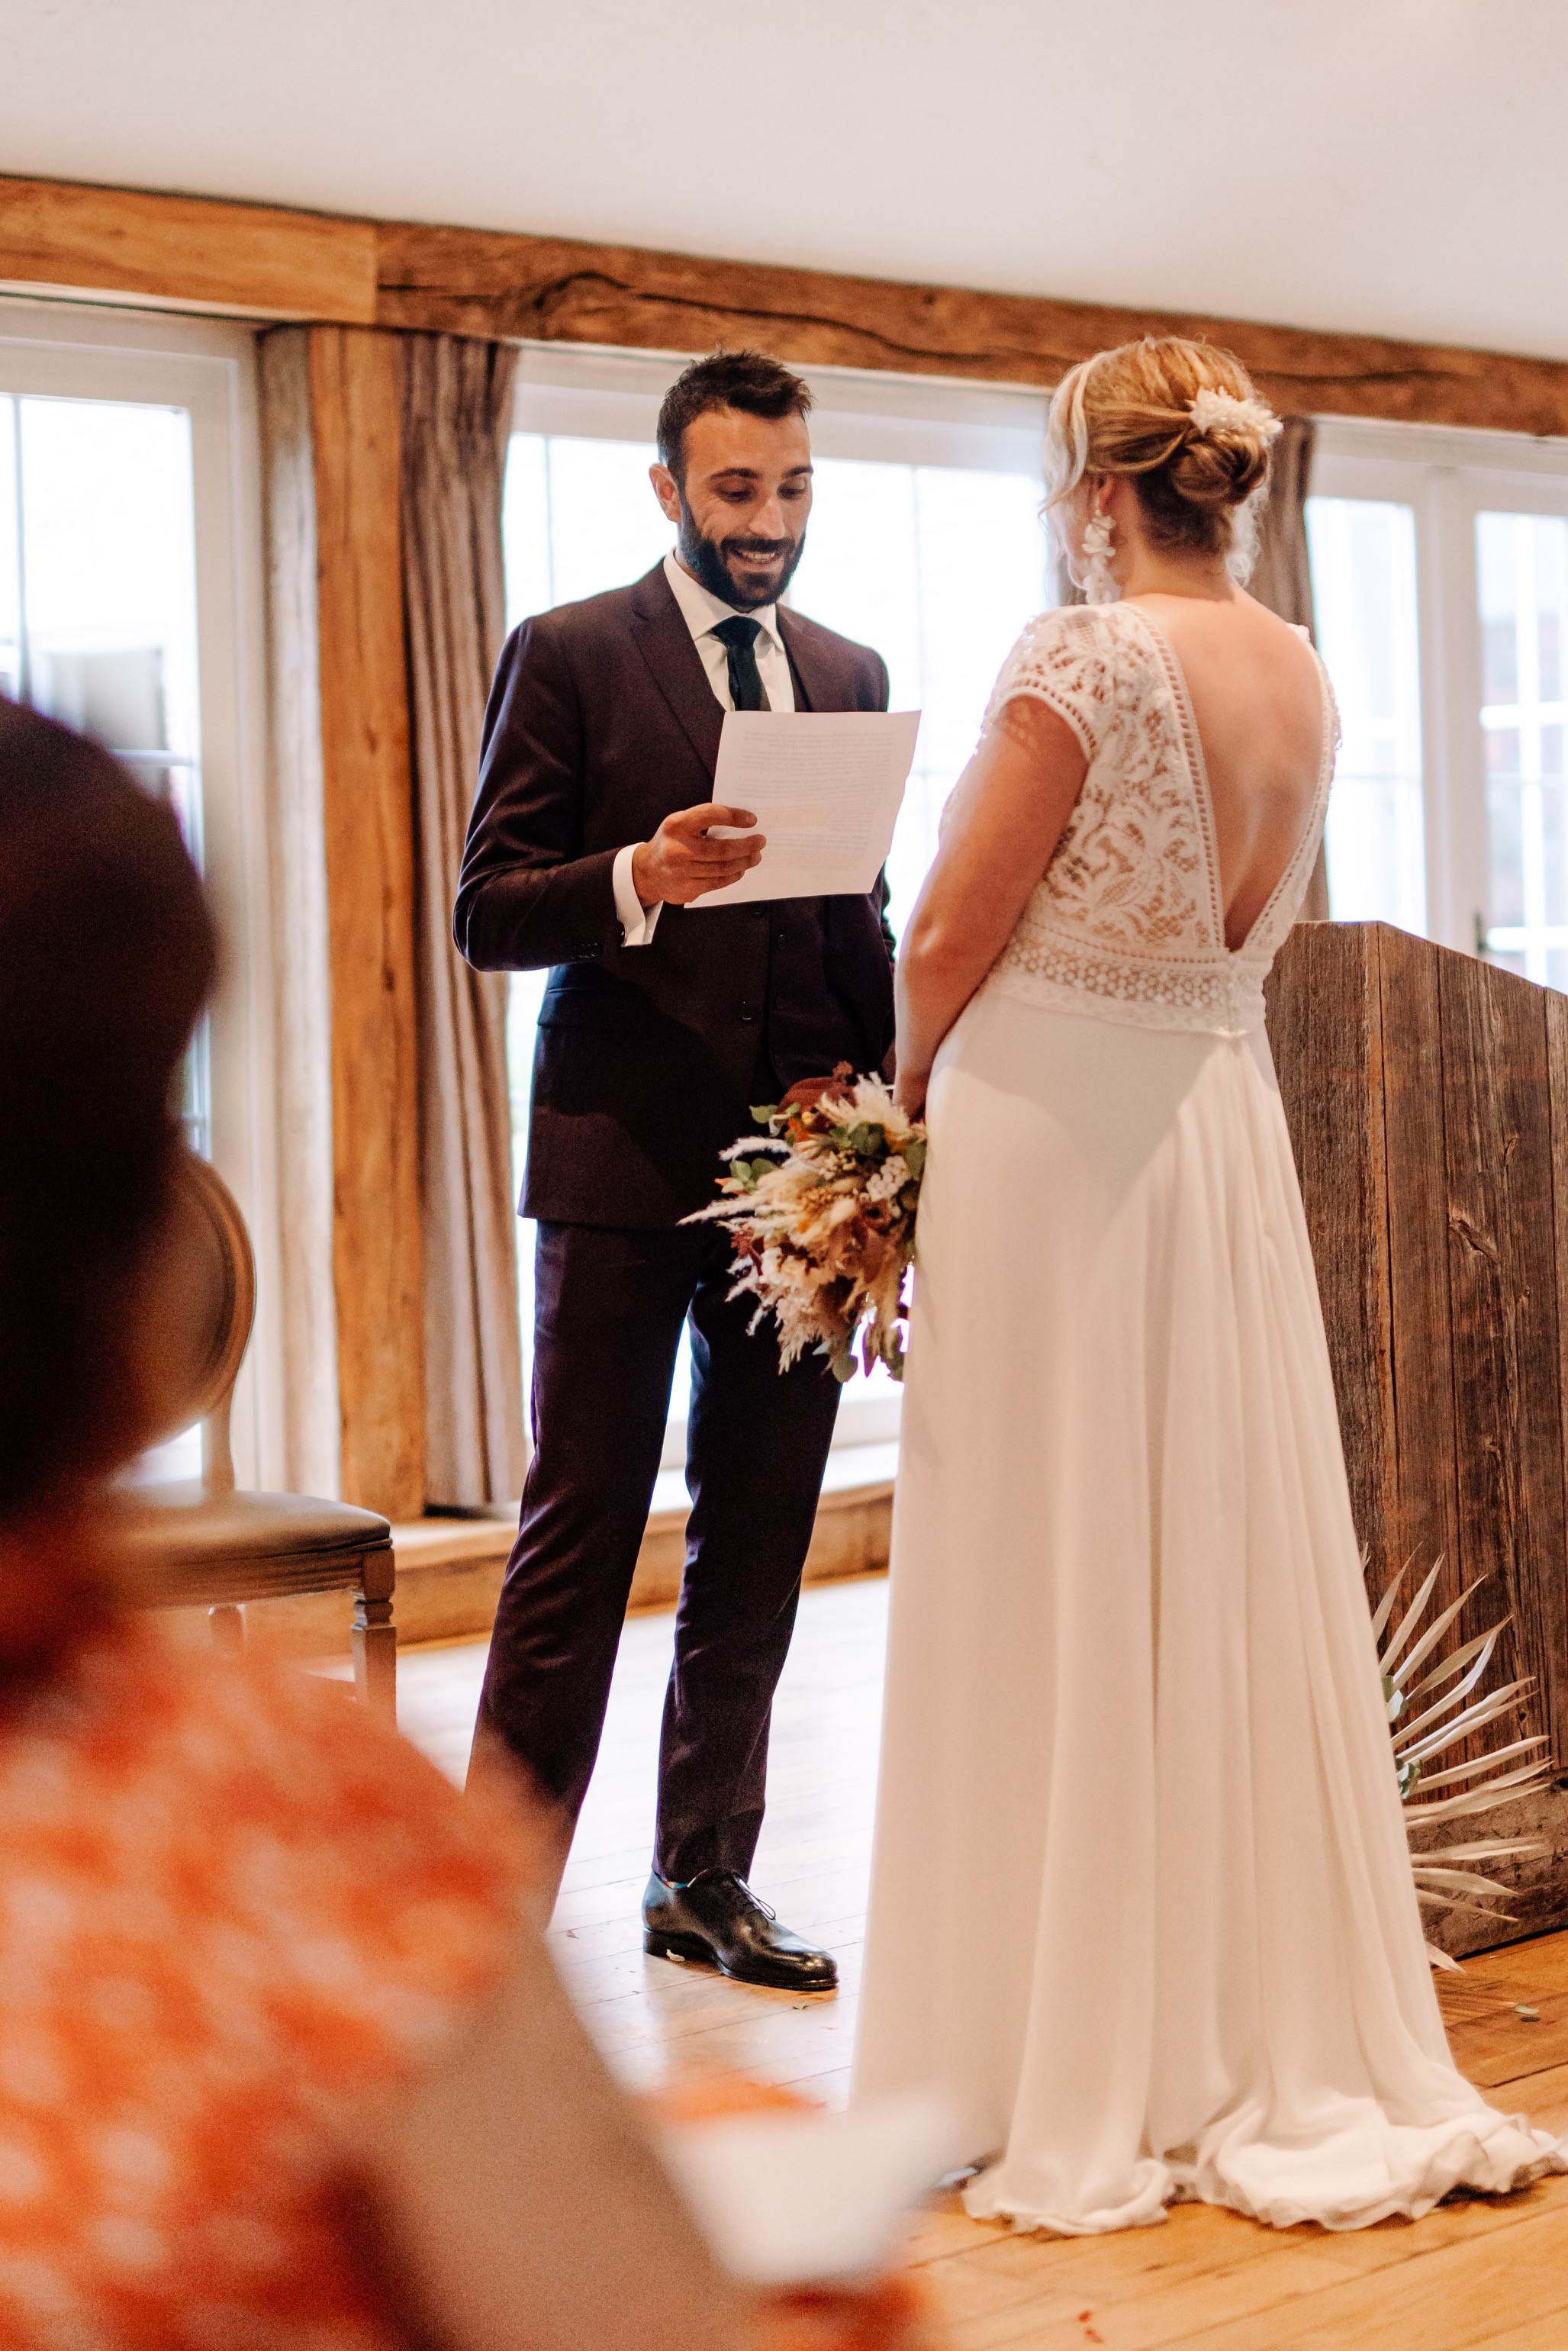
1426, 1096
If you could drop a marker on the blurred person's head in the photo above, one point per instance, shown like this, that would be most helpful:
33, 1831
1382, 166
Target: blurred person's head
107, 952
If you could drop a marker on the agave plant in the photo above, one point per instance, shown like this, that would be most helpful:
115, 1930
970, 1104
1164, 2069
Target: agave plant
1425, 1727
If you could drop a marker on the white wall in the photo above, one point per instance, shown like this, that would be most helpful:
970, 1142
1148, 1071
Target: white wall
1387, 165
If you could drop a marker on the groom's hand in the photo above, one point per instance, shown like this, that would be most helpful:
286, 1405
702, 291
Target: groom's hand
683, 862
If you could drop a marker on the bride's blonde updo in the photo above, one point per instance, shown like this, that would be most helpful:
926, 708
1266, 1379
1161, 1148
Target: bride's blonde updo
1183, 420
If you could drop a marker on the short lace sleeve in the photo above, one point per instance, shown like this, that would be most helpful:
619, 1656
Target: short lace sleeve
1062, 659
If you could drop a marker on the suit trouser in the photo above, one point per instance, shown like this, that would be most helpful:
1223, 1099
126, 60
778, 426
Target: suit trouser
608, 1306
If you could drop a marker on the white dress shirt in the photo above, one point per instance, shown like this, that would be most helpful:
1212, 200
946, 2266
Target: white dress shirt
702, 614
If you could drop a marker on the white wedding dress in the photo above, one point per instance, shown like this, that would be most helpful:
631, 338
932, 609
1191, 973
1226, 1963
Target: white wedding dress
1140, 1899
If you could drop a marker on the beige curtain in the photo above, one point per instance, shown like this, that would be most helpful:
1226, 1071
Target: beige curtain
1282, 578
456, 408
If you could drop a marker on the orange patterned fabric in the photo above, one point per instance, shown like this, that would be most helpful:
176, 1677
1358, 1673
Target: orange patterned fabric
232, 1908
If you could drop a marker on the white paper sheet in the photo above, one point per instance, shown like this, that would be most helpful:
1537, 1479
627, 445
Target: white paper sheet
825, 786
793, 2199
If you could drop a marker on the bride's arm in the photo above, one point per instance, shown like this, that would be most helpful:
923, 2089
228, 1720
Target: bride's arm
1008, 812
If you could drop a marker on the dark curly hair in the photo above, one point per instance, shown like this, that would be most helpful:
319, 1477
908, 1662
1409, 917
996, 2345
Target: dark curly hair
107, 953
748, 381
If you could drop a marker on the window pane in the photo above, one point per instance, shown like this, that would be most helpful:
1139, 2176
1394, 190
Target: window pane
1364, 594
1522, 564
98, 625
97, 591
938, 566
525, 527
983, 557
108, 547
580, 516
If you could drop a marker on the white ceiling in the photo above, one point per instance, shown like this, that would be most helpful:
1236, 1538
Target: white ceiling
1391, 165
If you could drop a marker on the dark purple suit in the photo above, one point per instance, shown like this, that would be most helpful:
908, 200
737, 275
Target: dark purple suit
601, 722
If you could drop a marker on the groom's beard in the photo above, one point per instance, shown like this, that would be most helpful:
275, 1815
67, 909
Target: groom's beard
709, 560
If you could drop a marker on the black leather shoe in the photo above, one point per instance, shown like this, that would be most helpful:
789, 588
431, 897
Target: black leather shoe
718, 1918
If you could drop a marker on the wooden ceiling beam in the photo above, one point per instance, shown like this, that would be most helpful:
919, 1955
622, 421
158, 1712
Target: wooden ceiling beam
255, 260
556, 289
187, 253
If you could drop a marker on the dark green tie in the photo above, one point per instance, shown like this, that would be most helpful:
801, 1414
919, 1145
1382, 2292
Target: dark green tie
739, 639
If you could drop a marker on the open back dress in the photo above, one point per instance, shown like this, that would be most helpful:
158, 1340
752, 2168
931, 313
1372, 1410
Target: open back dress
1141, 1899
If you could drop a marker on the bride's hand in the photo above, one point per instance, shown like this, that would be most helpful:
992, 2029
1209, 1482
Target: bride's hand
909, 1091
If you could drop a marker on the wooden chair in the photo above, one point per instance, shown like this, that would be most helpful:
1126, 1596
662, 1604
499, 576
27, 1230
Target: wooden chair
202, 1542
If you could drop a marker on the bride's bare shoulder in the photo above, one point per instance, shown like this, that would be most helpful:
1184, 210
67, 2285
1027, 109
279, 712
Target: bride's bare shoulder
1238, 614
1201, 630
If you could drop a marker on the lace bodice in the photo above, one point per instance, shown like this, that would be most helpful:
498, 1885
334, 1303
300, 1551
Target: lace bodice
1127, 920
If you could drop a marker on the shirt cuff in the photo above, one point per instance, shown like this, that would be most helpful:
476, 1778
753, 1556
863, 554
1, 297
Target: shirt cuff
638, 922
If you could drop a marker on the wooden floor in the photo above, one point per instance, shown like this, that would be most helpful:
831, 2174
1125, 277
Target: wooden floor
1471, 2273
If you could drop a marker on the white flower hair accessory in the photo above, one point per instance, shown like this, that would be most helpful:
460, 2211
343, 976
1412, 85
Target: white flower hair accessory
1214, 412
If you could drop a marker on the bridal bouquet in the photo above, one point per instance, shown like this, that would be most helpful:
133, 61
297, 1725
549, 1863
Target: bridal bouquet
821, 1211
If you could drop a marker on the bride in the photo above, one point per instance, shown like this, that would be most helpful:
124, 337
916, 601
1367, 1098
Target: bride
1140, 1898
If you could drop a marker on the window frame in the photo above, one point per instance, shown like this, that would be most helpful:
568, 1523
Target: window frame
64, 349
1448, 477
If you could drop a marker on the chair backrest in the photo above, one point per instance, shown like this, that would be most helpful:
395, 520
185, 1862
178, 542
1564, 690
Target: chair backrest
205, 1305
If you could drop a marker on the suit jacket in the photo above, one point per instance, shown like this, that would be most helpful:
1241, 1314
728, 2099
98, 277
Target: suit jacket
601, 723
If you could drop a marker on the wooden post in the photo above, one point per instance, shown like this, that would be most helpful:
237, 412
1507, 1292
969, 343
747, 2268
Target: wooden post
367, 807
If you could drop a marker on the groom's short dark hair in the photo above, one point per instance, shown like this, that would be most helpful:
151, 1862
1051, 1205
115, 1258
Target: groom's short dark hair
745, 379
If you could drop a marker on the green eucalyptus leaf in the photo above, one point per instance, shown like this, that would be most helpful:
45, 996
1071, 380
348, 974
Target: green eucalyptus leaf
864, 1140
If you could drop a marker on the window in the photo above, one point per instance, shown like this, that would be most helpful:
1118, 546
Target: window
99, 628
1364, 583
130, 607
938, 566
924, 541
1521, 565
1440, 582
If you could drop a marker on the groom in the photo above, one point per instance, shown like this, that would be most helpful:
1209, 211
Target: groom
662, 1024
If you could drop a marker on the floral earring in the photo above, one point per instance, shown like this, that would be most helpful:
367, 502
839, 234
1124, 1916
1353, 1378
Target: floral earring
1099, 586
